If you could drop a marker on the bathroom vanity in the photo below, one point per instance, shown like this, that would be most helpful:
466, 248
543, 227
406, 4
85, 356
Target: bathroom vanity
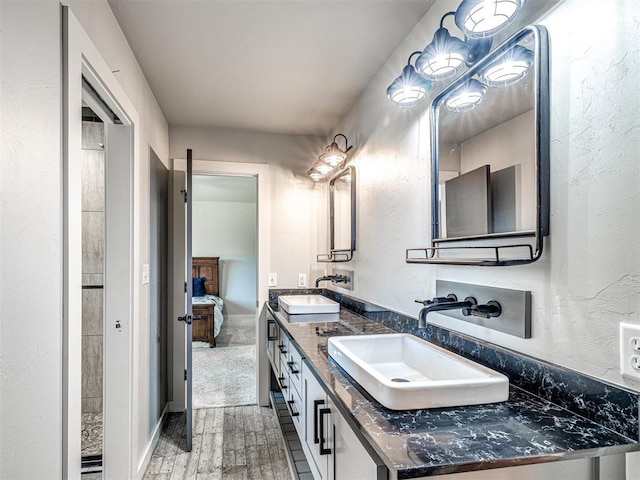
345, 433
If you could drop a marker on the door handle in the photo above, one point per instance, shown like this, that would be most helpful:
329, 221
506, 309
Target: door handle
323, 450
186, 319
196, 317
316, 404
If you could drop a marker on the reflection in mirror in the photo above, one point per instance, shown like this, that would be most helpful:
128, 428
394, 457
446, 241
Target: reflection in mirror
490, 159
342, 217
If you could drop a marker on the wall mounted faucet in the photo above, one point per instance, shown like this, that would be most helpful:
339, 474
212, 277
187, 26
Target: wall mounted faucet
333, 278
469, 307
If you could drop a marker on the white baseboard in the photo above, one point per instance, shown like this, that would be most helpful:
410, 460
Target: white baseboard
146, 458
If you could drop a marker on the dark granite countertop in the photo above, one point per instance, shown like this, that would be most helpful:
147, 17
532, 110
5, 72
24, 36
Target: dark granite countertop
525, 429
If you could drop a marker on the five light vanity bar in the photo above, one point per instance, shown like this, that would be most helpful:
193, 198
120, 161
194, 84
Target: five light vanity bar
446, 55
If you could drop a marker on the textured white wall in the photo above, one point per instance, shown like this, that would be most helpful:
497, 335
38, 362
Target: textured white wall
589, 277
228, 230
30, 240
298, 206
31, 222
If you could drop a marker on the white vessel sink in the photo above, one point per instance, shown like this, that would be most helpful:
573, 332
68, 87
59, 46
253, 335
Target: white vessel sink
404, 372
306, 304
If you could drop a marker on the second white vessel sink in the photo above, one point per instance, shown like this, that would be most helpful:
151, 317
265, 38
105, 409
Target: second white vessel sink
404, 372
305, 304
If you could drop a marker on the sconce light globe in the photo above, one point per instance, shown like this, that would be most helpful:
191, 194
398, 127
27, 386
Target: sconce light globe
467, 97
443, 57
409, 89
485, 18
315, 175
509, 69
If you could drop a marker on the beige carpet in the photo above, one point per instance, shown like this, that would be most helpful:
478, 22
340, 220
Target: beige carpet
226, 375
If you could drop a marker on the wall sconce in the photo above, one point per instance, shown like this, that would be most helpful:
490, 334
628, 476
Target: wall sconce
409, 89
332, 157
446, 54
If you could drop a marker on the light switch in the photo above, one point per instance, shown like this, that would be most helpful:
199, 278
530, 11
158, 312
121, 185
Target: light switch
145, 274
273, 279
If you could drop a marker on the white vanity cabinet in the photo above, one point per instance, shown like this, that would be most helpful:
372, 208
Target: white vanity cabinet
334, 450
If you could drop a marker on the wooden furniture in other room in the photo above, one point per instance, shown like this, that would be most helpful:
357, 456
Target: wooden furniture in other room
203, 329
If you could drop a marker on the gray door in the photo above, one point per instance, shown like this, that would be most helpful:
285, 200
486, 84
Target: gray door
189, 369
183, 290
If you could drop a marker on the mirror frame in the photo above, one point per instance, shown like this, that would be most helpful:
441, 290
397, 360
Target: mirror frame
337, 255
437, 253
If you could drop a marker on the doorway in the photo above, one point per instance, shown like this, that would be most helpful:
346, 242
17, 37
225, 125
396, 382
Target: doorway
225, 228
261, 173
88, 80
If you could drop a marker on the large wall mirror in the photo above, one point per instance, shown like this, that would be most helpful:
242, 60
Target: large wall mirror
490, 159
342, 217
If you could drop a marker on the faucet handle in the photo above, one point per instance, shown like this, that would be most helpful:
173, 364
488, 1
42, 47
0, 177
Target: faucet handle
448, 299
490, 310
426, 303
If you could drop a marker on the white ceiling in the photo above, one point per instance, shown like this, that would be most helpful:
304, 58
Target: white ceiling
286, 66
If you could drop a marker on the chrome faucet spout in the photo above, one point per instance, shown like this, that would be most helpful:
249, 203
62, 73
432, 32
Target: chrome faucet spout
439, 304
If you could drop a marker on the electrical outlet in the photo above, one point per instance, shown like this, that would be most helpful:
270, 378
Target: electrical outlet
630, 350
302, 279
273, 279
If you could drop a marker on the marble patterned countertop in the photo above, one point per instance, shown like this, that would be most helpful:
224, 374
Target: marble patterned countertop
525, 429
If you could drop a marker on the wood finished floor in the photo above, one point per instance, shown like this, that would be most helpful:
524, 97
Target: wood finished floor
229, 443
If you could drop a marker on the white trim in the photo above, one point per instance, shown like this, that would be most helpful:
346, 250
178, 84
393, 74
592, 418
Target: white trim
261, 172
155, 437
80, 56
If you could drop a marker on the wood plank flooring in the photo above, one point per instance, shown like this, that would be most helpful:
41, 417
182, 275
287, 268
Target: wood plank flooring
230, 443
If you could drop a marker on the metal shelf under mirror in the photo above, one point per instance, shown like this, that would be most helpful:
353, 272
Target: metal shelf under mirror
490, 159
342, 217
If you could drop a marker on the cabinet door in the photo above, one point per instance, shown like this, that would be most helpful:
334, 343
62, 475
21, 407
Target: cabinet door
315, 401
349, 460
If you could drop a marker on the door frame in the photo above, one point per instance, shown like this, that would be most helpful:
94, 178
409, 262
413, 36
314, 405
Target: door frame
120, 400
263, 253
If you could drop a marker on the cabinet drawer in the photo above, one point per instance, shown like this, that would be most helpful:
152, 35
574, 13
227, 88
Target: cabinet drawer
283, 378
282, 348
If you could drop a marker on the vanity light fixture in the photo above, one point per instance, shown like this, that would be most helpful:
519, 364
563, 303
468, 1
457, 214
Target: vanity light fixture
467, 97
332, 157
333, 154
485, 18
409, 89
509, 69
444, 56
